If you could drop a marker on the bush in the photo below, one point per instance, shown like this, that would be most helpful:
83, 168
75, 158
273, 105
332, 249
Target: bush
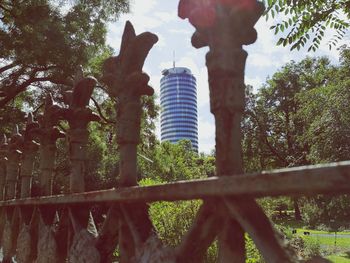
311, 214
312, 248
173, 219
252, 253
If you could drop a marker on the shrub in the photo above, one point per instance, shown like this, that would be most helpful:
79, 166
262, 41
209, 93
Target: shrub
312, 248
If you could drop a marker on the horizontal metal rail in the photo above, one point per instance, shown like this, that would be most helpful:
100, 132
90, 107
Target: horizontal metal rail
305, 180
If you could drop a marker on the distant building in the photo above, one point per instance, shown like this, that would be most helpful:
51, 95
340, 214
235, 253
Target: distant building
178, 101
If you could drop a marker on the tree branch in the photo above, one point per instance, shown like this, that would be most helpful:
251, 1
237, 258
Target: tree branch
108, 121
14, 91
5, 8
17, 90
266, 141
7, 67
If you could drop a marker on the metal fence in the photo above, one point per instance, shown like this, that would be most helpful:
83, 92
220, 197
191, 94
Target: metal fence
60, 228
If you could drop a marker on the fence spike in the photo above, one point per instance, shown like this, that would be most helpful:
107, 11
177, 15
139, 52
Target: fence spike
125, 81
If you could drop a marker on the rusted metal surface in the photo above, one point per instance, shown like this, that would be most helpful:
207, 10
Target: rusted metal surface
127, 84
196, 241
230, 26
29, 148
61, 228
79, 115
12, 167
304, 180
262, 232
3, 163
48, 134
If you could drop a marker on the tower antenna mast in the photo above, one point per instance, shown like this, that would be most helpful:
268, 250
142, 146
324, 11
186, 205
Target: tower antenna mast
174, 59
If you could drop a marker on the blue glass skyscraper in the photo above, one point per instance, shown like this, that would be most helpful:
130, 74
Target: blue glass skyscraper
178, 101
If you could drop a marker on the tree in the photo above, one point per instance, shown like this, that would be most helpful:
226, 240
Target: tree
300, 116
272, 113
325, 110
43, 42
273, 127
173, 162
307, 21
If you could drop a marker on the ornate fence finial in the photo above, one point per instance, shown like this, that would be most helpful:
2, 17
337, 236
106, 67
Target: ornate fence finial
125, 80
78, 116
14, 155
48, 134
10, 230
225, 26
29, 149
3, 163
78, 76
127, 83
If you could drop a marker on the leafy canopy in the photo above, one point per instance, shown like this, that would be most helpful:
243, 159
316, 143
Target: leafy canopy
43, 42
306, 21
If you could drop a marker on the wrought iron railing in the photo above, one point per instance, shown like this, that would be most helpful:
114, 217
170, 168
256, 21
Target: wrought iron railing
60, 228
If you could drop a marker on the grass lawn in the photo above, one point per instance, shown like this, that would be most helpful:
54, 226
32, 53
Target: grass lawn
321, 232
343, 258
329, 241
337, 254
317, 235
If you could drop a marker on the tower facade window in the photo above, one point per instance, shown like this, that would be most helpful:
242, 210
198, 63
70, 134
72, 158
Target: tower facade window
178, 101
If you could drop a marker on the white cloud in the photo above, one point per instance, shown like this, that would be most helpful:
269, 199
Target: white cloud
261, 60
144, 23
206, 129
141, 7
155, 82
206, 147
166, 17
256, 82
161, 40
181, 31
158, 133
206, 135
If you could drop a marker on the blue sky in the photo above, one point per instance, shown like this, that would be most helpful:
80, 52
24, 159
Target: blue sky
160, 17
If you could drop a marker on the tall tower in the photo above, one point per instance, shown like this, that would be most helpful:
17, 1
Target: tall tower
178, 101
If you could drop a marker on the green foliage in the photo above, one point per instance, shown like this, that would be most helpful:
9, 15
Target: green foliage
312, 248
102, 172
307, 21
173, 219
252, 253
172, 162
327, 115
271, 126
299, 117
275, 207
44, 42
326, 209
343, 258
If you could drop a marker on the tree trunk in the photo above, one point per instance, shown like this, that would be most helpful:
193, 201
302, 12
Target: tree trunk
297, 213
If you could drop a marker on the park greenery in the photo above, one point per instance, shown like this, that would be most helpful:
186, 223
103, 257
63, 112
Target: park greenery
305, 22
300, 116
